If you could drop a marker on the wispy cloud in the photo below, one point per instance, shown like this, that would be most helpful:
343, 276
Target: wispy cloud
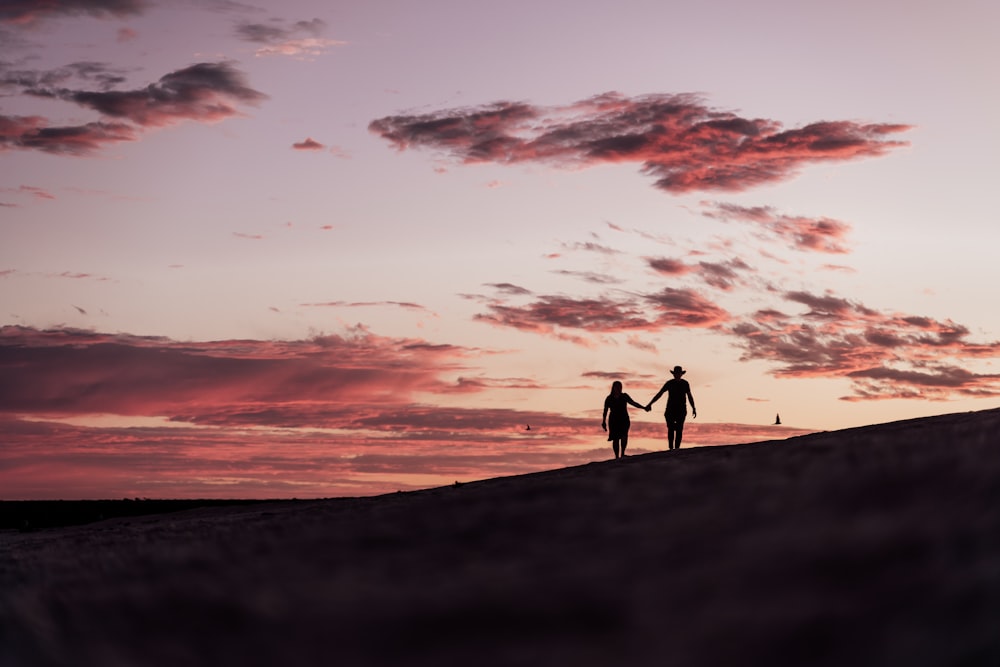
685, 145
801, 233
408, 305
34, 133
33, 191
103, 75
280, 38
576, 319
204, 92
886, 355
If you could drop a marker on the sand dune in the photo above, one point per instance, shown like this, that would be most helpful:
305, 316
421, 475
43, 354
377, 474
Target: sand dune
870, 546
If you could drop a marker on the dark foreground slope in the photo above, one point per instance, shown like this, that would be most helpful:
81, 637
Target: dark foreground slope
871, 546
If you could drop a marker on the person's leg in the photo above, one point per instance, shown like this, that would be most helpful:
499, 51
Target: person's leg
624, 444
614, 446
678, 432
670, 433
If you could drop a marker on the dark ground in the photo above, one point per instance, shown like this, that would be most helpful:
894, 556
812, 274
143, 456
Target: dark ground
870, 546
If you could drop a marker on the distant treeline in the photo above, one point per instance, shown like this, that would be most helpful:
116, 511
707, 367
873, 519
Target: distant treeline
27, 515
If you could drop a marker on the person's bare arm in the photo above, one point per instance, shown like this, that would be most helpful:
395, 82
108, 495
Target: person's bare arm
657, 397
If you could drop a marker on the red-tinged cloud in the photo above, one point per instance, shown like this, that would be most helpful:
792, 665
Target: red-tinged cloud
685, 145
30, 12
33, 133
203, 92
885, 355
71, 372
668, 266
45, 460
569, 318
686, 308
723, 275
801, 233
550, 313
309, 144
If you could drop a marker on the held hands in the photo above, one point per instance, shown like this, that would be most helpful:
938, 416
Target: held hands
649, 406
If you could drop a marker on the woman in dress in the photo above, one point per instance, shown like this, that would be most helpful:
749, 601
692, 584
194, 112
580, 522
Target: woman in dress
617, 422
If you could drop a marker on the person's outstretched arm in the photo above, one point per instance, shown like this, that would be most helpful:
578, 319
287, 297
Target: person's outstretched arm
631, 402
657, 397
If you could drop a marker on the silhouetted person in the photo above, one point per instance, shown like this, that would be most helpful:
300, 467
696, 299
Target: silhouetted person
777, 420
678, 393
617, 422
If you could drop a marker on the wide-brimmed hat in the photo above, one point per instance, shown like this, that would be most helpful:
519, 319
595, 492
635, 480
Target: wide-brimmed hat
678, 371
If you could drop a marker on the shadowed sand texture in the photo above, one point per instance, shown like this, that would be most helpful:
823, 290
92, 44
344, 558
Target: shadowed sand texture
870, 546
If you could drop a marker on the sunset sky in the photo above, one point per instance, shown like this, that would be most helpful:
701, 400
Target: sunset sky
312, 249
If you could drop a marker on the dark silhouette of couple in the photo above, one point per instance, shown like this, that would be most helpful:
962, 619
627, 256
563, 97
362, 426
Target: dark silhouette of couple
615, 418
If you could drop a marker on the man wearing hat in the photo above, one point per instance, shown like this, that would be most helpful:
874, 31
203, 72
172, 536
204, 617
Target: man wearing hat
678, 393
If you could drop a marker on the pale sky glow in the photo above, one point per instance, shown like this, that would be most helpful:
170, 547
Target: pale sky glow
361, 246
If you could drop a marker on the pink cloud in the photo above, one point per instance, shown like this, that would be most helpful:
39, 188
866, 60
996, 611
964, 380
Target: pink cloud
277, 38
886, 355
71, 372
558, 315
309, 144
44, 460
669, 266
331, 415
723, 275
33, 133
686, 308
205, 92
801, 233
683, 144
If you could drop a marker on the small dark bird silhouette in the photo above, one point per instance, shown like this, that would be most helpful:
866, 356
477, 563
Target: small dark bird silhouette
777, 420
528, 427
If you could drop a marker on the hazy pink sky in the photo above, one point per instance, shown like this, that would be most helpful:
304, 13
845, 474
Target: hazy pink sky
316, 249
